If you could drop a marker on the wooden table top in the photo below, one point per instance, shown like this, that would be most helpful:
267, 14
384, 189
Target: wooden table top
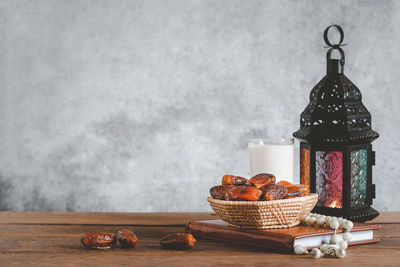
53, 238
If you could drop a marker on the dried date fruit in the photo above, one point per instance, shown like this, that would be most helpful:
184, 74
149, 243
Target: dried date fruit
274, 192
233, 180
219, 191
126, 239
298, 187
98, 240
285, 183
244, 193
296, 193
262, 180
179, 241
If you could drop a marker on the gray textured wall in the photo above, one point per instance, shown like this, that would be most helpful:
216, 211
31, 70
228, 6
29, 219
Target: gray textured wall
143, 105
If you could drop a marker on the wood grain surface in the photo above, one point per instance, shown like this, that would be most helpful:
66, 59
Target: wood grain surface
53, 239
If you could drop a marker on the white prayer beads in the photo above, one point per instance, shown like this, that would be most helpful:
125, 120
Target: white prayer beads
324, 247
311, 221
343, 244
321, 221
346, 236
333, 223
316, 253
299, 250
330, 251
335, 239
348, 225
337, 247
340, 253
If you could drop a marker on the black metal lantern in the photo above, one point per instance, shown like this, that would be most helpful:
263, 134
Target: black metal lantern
336, 154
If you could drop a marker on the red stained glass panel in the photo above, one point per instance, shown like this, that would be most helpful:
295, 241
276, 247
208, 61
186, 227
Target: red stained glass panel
329, 178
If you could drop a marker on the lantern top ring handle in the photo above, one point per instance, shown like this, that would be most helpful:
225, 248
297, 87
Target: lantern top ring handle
335, 46
326, 39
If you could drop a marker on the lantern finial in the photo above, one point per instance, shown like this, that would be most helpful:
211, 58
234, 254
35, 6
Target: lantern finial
334, 65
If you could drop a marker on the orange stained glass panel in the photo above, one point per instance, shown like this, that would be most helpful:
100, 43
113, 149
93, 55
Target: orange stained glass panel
305, 166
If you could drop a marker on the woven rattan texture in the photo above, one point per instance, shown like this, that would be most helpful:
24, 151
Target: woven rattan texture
264, 214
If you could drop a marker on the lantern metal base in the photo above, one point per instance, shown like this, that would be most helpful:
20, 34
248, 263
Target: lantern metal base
360, 215
363, 215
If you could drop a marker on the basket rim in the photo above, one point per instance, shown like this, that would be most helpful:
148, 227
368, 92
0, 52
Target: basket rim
261, 203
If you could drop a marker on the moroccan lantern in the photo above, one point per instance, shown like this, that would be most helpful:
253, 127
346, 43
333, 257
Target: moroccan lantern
335, 134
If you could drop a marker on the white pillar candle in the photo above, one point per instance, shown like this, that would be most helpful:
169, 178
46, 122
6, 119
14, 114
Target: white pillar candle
273, 156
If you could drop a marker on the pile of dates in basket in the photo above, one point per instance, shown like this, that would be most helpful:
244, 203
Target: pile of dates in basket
261, 187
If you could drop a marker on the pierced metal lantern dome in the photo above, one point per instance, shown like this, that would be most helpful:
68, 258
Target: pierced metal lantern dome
336, 155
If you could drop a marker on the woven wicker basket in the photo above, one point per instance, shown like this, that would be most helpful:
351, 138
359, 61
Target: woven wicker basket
282, 213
